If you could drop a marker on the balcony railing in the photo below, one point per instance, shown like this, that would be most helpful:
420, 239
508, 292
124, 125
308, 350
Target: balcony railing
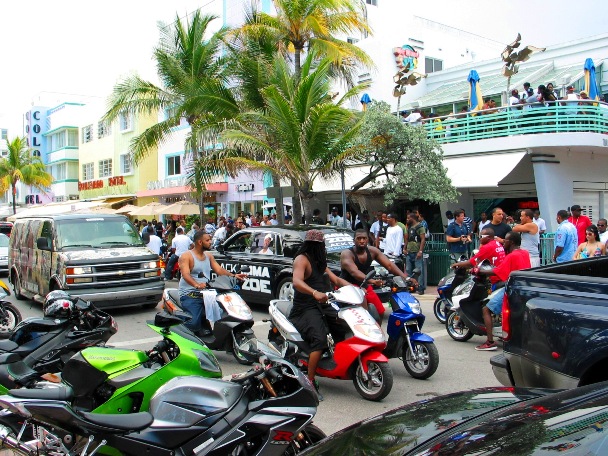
529, 119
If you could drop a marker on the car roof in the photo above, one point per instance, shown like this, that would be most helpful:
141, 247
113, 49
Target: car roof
73, 216
300, 229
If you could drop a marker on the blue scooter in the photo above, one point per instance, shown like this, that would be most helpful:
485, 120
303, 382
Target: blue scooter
405, 340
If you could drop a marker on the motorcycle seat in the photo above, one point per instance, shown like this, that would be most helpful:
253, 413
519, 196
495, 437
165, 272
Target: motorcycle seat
7, 358
174, 294
60, 393
284, 306
8, 345
119, 423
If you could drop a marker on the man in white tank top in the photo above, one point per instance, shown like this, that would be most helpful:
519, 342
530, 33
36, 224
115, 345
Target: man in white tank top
191, 263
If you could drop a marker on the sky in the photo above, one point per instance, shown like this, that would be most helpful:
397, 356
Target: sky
63, 48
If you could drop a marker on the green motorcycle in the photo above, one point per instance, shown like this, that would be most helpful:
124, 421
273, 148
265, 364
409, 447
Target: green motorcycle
119, 381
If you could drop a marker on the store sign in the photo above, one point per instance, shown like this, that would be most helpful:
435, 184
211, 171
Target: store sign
406, 56
244, 187
99, 183
118, 180
34, 131
527, 205
166, 183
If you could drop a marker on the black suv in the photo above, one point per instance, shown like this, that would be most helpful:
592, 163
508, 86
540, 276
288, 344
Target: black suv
270, 274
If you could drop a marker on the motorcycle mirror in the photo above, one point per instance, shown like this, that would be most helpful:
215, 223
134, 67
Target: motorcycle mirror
244, 269
81, 304
370, 274
416, 272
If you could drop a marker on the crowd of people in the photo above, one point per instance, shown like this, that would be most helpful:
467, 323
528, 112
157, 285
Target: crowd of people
529, 102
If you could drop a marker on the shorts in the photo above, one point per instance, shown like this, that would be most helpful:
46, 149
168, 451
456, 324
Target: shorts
310, 324
495, 302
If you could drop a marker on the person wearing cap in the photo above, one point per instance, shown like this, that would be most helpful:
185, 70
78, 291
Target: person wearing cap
309, 283
526, 92
581, 222
266, 250
334, 218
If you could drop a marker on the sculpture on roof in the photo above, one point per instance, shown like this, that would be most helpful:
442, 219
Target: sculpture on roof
406, 58
512, 58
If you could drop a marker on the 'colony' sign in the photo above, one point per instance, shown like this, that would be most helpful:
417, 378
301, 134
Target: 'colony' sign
406, 56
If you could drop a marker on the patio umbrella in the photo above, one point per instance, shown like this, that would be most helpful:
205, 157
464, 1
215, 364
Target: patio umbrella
148, 209
475, 98
180, 208
590, 81
126, 209
365, 100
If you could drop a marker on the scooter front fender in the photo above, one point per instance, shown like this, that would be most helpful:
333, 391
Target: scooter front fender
347, 352
421, 337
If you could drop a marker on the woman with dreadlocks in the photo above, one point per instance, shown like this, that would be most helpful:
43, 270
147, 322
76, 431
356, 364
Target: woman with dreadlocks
309, 283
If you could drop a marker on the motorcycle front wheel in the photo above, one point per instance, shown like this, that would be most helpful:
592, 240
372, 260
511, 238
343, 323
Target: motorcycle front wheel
424, 360
9, 318
307, 437
439, 310
379, 380
456, 328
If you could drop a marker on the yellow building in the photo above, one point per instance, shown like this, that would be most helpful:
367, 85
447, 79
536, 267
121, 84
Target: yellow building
106, 169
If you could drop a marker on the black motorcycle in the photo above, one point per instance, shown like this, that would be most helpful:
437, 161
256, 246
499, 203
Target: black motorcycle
265, 411
465, 318
42, 345
9, 314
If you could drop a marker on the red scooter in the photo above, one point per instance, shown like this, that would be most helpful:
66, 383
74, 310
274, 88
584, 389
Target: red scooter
357, 356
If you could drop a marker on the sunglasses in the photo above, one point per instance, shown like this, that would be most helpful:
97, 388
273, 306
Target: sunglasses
484, 236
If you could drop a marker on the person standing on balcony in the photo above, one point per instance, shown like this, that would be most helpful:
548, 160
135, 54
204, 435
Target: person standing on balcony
572, 101
414, 118
581, 222
526, 92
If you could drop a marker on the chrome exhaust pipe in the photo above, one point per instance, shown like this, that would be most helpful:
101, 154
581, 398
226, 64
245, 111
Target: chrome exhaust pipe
8, 440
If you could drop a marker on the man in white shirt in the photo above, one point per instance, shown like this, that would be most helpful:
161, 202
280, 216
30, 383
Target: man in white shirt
334, 218
378, 229
601, 227
413, 118
393, 242
181, 243
542, 226
152, 241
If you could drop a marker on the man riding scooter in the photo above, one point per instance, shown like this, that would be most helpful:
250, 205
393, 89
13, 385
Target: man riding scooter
356, 263
515, 260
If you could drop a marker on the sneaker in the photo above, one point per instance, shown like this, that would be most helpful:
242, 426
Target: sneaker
420, 292
316, 385
487, 346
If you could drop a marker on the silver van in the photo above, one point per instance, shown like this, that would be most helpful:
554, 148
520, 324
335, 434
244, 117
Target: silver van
100, 258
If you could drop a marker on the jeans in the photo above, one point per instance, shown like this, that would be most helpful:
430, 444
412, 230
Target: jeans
170, 265
416, 263
196, 308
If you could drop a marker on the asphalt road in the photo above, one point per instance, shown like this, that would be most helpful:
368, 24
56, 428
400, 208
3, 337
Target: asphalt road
461, 367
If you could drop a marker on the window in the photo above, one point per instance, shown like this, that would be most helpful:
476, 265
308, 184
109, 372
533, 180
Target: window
352, 40
87, 134
105, 168
4, 152
4, 133
125, 164
372, 2
174, 165
432, 65
59, 171
126, 122
87, 171
103, 129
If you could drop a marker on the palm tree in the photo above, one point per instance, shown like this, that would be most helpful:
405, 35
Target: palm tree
194, 83
194, 87
20, 165
300, 134
301, 25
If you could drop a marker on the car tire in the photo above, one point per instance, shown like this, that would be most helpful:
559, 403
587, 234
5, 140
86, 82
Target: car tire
17, 286
285, 289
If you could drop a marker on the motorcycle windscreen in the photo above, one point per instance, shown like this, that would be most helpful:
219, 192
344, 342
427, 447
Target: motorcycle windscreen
235, 306
362, 324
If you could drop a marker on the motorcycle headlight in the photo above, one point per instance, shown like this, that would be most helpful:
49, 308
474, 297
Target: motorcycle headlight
207, 361
415, 306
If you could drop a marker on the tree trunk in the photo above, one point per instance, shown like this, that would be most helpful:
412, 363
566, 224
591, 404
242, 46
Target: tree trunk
14, 196
297, 63
276, 183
